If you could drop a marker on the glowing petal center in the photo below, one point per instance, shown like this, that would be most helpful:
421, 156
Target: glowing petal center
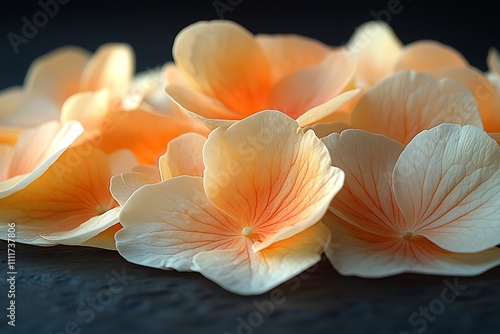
247, 231
407, 235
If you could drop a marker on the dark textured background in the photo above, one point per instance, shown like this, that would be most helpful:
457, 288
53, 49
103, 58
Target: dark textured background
60, 286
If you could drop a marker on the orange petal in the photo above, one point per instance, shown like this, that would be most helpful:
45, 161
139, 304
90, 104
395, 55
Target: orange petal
6, 153
375, 47
223, 60
72, 191
183, 156
328, 111
245, 272
112, 66
268, 174
20, 109
407, 102
125, 184
309, 87
493, 61
447, 185
166, 224
82, 234
288, 53
36, 150
487, 96
366, 200
57, 74
356, 252
425, 56
105, 239
193, 101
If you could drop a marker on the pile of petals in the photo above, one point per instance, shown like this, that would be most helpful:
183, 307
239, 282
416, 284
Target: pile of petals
249, 158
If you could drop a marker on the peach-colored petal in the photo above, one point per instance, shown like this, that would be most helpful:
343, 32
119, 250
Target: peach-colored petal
57, 74
125, 184
328, 111
366, 200
105, 239
9, 135
426, 55
357, 252
87, 230
110, 127
493, 61
324, 129
6, 154
250, 273
375, 48
496, 137
121, 160
447, 185
407, 102
287, 53
166, 224
151, 170
309, 87
192, 101
36, 150
72, 191
21, 109
112, 66
183, 156
223, 60
267, 173
487, 96
86, 107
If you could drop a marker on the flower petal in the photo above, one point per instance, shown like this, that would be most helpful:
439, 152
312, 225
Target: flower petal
223, 60
192, 101
427, 55
287, 53
21, 109
57, 74
268, 174
105, 239
309, 87
87, 230
72, 191
183, 156
356, 252
375, 47
447, 185
366, 200
125, 184
112, 66
326, 112
486, 95
166, 224
245, 272
37, 149
408, 102
493, 61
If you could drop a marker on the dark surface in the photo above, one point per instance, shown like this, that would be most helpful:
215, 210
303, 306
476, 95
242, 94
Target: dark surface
70, 286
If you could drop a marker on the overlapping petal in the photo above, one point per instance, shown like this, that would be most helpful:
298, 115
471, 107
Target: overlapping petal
254, 212
429, 207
